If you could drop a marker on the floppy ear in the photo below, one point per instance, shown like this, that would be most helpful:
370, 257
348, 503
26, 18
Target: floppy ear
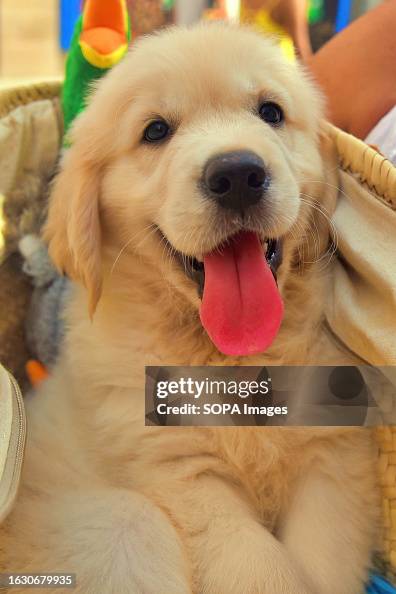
73, 228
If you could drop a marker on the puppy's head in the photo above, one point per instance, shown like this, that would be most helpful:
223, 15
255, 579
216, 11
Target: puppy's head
200, 153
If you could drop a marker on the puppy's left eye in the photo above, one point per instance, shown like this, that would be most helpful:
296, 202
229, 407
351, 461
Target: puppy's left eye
156, 131
271, 113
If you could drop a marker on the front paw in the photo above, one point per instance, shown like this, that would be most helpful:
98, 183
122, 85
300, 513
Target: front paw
249, 563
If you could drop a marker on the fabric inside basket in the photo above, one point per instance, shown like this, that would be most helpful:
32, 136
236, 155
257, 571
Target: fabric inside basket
362, 306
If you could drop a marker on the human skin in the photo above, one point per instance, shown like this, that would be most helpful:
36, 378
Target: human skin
356, 70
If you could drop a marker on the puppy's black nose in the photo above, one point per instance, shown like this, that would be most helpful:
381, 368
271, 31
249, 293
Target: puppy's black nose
236, 180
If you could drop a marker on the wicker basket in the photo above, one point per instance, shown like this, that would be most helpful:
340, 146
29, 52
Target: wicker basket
12, 440
362, 171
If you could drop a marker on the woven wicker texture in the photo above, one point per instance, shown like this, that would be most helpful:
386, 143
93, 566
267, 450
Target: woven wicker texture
386, 438
379, 176
371, 168
15, 97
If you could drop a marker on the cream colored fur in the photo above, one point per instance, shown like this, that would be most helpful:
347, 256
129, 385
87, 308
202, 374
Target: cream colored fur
140, 510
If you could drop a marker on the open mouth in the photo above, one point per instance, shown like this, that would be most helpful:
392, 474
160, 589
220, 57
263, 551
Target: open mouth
195, 269
241, 308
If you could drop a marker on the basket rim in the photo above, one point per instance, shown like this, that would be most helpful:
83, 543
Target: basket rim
17, 96
371, 168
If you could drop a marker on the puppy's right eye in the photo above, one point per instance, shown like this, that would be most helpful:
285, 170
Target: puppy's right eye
156, 131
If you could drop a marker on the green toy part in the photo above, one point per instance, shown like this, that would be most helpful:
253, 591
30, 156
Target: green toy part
100, 40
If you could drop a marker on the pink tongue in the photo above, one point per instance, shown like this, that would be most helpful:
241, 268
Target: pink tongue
241, 307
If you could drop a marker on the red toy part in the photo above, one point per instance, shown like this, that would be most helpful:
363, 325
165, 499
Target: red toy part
36, 372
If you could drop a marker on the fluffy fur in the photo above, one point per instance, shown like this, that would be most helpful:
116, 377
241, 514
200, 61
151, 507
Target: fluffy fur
142, 510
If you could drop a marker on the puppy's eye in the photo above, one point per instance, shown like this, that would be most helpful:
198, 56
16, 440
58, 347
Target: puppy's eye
271, 113
156, 131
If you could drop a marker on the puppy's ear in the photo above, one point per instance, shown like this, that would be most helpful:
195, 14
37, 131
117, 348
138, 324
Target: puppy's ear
324, 193
73, 228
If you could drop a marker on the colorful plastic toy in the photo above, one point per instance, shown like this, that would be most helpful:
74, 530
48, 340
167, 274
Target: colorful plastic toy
69, 11
263, 21
36, 372
100, 40
259, 18
378, 585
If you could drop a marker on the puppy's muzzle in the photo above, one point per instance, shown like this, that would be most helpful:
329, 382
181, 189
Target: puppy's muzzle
235, 180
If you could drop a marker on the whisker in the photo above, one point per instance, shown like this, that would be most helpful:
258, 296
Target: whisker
320, 181
127, 244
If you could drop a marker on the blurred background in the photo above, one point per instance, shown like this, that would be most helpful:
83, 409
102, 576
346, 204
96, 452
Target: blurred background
34, 34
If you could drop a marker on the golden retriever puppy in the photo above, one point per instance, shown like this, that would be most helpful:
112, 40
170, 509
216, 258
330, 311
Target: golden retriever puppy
197, 172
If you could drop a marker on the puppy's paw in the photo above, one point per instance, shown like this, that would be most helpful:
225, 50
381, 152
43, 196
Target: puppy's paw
114, 541
250, 562
135, 549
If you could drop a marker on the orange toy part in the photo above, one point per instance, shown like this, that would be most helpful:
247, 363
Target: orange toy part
104, 41
36, 372
105, 13
104, 25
